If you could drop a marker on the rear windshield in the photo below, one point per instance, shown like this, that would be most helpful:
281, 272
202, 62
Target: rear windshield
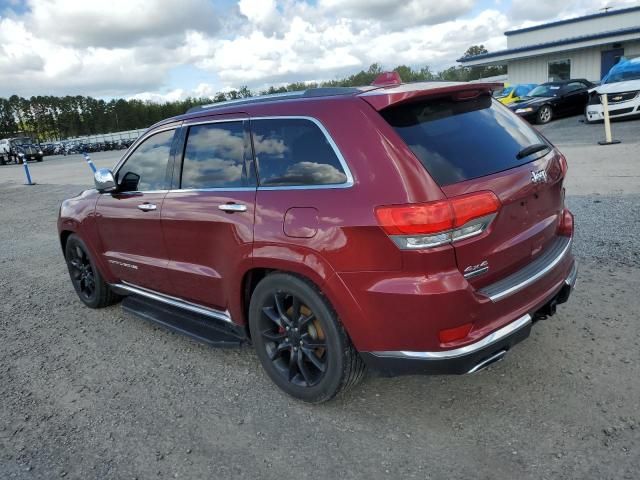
461, 140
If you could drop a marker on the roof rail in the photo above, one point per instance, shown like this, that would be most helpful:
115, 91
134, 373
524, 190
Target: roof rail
273, 97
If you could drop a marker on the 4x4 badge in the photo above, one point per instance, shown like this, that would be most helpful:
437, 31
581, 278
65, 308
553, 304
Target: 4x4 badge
539, 177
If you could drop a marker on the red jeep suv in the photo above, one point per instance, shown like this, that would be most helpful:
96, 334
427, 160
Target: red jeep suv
410, 228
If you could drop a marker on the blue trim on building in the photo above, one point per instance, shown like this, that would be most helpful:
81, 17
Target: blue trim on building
573, 20
557, 43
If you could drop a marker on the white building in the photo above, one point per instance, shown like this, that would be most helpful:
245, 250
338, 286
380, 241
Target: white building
583, 47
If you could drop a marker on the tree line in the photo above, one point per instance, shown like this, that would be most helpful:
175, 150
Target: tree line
51, 118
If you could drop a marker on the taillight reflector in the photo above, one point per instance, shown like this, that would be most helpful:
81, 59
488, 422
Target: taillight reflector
453, 334
565, 224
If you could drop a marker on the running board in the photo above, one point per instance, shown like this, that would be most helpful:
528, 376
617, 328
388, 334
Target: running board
211, 331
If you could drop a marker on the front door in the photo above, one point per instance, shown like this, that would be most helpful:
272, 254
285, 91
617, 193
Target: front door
129, 219
608, 59
208, 218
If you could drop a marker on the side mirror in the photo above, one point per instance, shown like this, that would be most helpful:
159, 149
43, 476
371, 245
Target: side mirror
104, 181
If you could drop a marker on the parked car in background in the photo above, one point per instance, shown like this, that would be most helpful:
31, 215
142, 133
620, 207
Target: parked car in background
15, 150
514, 93
552, 100
622, 86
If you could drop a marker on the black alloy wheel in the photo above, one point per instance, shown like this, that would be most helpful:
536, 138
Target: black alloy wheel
300, 340
86, 279
294, 339
81, 271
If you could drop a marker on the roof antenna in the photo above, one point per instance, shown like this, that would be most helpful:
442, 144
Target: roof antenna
606, 9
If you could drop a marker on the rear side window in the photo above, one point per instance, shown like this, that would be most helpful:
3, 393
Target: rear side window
214, 156
294, 152
461, 140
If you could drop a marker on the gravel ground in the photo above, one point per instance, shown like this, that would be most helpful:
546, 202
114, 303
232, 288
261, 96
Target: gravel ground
101, 394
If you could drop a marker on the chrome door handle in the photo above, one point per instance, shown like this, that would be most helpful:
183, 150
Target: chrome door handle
147, 207
233, 207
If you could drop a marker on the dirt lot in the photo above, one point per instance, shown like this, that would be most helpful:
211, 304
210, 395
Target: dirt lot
100, 394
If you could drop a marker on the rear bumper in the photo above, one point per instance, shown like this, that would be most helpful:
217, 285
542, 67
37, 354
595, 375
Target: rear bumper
472, 357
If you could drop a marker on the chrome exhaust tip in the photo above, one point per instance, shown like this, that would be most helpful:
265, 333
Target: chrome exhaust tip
496, 357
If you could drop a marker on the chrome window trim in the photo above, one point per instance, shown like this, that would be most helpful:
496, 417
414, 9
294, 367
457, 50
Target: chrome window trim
533, 278
343, 163
173, 301
490, 339
214, 189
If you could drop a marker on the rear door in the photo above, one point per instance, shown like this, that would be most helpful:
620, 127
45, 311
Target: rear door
472, 145
207, 218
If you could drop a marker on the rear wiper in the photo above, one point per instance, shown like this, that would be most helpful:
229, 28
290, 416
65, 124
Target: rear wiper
531, 149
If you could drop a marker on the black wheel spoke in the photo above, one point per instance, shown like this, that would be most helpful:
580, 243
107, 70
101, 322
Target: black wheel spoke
293, 365
305, 319
313, 358
273, 315
304, 370
311, 343
75, 263
295, 310
274, 336
276, 352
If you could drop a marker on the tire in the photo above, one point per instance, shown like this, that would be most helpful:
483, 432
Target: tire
309, 357
3, 161
544, 115
91, 288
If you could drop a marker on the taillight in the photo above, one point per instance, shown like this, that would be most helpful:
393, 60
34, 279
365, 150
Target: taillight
426, 225
565, 223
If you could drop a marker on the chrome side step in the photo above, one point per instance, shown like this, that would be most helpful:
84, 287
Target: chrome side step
173, 301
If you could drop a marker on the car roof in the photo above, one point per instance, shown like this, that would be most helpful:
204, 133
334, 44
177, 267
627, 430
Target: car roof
373, 94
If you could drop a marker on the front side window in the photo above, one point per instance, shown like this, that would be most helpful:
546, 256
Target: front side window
559, 70
146, 167
214, 156
294, 152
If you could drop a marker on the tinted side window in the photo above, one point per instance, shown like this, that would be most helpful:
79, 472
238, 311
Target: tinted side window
574, 86
146, 168
292, 152
214, 156
460, 140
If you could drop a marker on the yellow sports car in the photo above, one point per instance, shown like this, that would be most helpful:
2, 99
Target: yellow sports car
513, 93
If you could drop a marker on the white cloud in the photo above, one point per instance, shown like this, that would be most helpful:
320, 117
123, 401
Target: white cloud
533, 12
134, 47
399, 14
83, 23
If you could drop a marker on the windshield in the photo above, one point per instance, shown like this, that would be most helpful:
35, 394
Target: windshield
503, 93
545, 91
22, 141
623, 76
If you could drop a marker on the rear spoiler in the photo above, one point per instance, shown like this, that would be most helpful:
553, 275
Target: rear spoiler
381, 98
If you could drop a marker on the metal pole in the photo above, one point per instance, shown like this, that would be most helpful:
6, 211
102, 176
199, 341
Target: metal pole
88, 159
26, 171
607, 122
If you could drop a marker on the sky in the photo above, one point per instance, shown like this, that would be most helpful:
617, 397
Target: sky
169, 49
